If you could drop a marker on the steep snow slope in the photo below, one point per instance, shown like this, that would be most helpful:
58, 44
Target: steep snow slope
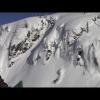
58, 50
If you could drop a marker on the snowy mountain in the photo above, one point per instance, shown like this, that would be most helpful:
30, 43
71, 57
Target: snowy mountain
57, 50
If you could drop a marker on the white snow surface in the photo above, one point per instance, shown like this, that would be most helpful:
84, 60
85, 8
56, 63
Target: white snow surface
57, 50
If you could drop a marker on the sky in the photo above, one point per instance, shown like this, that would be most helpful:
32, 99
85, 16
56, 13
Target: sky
11, 17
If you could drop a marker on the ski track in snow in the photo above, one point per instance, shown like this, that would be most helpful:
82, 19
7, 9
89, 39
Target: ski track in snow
57, 50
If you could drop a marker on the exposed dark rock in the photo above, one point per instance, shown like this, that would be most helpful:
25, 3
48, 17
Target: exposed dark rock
36, 36
19, 85
2, 83
11, 64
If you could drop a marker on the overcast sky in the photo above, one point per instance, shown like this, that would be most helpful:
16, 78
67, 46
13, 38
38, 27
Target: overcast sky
10, 17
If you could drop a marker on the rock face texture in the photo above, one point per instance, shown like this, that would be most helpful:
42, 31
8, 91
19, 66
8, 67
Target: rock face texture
2, 83
57, 50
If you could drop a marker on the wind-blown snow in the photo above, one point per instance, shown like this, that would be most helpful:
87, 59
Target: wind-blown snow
57, 50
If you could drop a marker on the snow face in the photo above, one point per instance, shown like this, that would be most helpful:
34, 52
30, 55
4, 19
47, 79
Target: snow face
57, 50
